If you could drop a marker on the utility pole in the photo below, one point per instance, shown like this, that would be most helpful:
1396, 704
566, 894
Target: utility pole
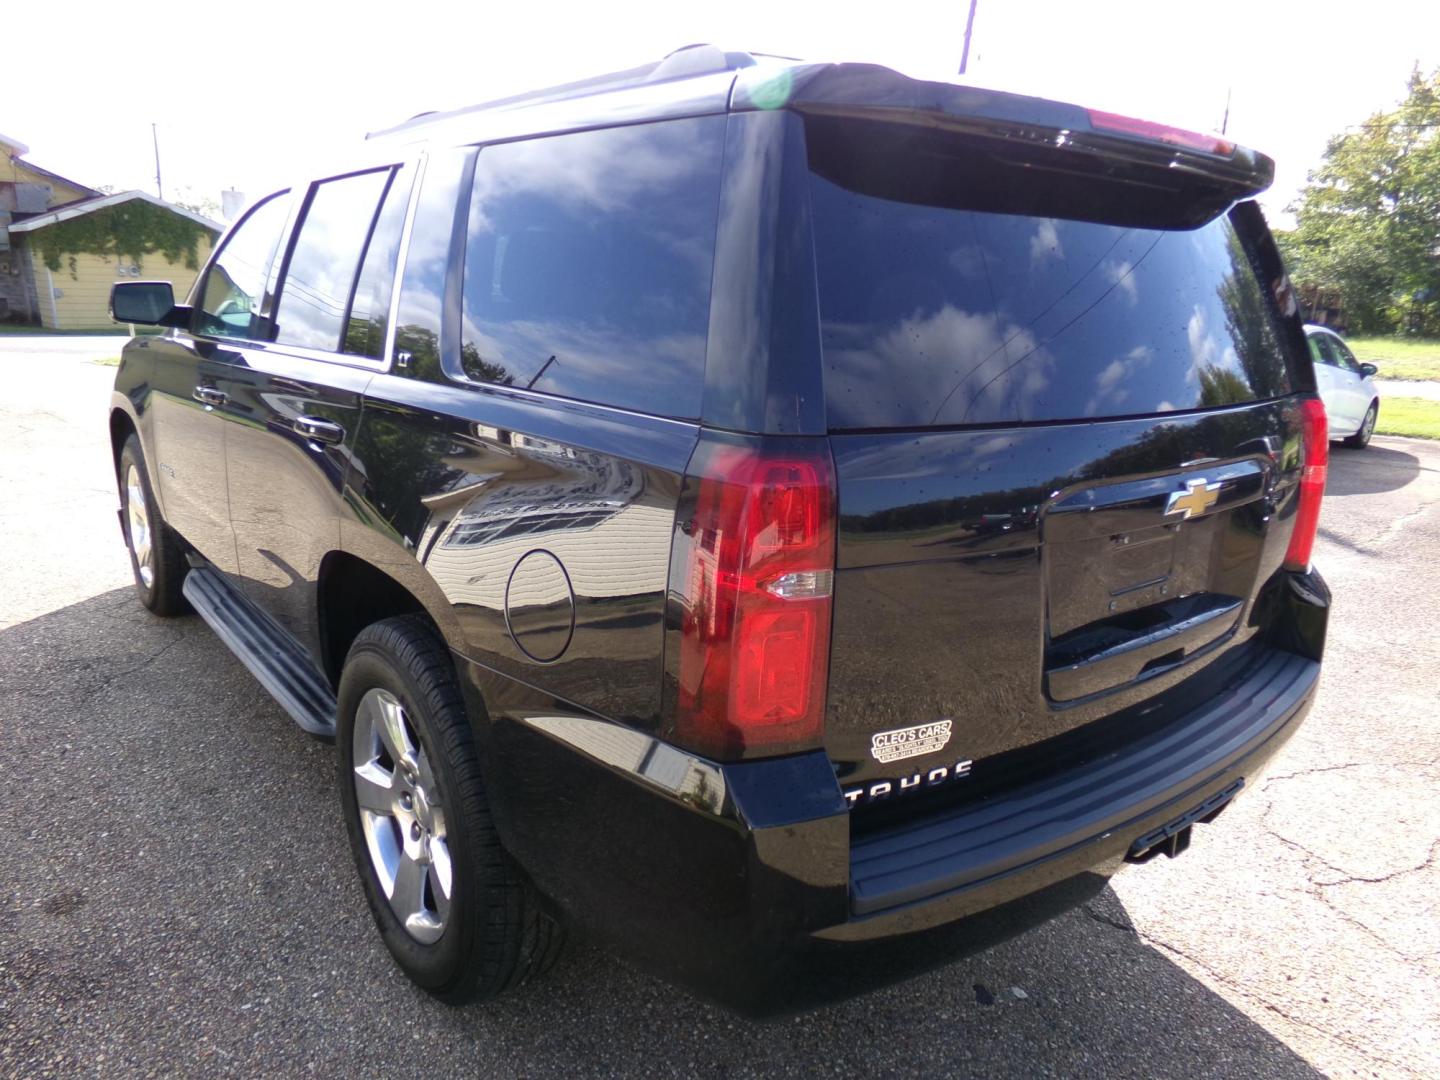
155, 138
969, 26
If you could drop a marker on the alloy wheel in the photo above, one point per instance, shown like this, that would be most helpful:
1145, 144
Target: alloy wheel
401, 816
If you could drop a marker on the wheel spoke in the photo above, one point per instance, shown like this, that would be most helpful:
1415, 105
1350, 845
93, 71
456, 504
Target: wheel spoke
408, 896
442, 875
138, 518
137, 506
375, 788
391, 729
425, 773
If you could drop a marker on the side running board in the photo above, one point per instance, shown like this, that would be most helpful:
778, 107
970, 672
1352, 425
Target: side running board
272, 657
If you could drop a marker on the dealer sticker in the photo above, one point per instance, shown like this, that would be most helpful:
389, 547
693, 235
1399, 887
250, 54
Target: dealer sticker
910, 742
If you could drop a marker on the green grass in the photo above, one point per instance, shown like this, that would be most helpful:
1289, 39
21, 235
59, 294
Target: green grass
40, 331
1417, 417
107, 361
1400, 358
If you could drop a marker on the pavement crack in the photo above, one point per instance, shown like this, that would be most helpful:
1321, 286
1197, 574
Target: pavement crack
1303, 850
1344, 916
1397, 526
1351, 879
107, 678
1317, 769
1422, 764
110, 676
1316, 889
1105, 920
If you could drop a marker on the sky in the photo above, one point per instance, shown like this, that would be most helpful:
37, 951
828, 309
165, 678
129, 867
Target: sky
250, 97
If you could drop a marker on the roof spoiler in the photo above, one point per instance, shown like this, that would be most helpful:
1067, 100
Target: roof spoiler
685, 62
872, 92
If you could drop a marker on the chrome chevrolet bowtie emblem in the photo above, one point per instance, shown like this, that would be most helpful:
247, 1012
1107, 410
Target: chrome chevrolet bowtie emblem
1199, 495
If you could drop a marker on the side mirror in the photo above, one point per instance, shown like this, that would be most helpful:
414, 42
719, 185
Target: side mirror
148, 303
1368, 369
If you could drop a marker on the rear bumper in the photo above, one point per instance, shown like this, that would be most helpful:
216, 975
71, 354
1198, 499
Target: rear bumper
743, 883
1101, 808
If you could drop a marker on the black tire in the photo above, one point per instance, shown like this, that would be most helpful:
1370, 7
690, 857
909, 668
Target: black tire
495, 934
1361, 438
161, 553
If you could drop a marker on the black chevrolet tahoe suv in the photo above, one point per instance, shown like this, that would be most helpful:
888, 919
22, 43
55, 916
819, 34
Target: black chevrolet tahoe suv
793, 522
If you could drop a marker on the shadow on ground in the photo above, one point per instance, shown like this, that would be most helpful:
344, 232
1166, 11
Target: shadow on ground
1370, 471
177, 895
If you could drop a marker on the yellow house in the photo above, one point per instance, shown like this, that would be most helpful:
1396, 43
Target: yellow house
25, 190
131, 236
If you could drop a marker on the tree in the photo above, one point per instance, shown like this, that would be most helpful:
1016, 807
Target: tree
1368, 219
188, 199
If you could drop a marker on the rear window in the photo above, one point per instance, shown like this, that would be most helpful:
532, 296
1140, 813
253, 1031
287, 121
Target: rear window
936, 315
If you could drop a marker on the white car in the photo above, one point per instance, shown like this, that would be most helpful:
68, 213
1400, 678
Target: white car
1346, 386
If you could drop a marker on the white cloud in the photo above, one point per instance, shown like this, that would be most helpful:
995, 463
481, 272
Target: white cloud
1045, 244
1111, 390
1120, 273
951, 364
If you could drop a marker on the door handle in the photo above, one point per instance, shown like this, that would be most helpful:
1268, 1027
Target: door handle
317, 430
208, 395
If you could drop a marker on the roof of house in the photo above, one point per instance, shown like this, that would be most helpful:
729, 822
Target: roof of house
32, 167
16, 151
75, 209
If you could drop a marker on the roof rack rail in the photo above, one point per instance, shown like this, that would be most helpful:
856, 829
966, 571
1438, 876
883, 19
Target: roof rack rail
682, 63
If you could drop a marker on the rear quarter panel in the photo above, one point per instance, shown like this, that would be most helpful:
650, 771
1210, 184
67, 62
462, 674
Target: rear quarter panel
458, 486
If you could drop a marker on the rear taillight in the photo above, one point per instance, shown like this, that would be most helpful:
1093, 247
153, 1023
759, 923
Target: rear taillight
1147, 129
759, 567
1316, 462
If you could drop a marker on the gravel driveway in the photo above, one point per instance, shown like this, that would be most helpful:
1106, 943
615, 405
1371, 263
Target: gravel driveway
176, 893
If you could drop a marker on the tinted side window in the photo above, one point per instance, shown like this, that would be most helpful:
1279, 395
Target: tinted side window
588, 261
234, 285
422, 287
324, 259
939, 314
1321, 349
370, 309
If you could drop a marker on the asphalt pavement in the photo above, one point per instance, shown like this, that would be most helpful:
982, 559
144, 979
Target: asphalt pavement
176, 894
